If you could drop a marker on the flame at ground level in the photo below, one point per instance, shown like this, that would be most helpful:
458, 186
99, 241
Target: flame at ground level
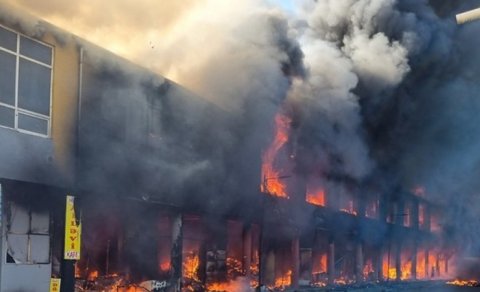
190, 266
240, 284
469, 283
284, 280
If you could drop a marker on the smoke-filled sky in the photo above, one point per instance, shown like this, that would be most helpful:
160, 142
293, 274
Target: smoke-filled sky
382, 89
174, 38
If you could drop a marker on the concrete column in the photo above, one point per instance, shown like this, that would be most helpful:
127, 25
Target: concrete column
359, 262
176, 254
427, 216
295, 261
415, 215
379, 264
414, 260
331, 262
446, 265
427, 267
247, 250
398, 261
437, 265
269, 268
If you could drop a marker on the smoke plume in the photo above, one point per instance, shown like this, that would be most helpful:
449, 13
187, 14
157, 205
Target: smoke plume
381, 90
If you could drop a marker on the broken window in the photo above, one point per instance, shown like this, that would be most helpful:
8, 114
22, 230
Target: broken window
28, 239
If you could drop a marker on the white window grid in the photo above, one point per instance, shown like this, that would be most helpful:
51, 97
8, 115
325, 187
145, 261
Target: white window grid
15, 107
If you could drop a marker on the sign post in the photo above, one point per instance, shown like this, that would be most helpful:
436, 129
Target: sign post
55, 285
73, 231
71, 248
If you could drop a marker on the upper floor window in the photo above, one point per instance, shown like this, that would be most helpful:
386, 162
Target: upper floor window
25, 83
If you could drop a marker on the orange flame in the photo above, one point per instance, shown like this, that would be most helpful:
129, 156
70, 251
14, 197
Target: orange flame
271, 183
342, 281
320, 264
389, 271
234, 267
319, 270
316, 197
238, 285
469, 283
165, 266
190, 266
284, 280
93, 275
78, 272
367, 269
406, 271
350, 208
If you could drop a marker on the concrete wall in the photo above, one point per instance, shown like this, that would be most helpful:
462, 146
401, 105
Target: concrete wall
20, 277
49, 160
45, 160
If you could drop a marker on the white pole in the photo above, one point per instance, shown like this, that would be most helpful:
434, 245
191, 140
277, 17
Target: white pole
468, 16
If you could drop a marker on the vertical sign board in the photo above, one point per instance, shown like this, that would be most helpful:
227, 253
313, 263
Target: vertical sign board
73, 231
55, 285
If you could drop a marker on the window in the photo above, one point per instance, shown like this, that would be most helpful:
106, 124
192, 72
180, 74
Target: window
27, 236
25, 83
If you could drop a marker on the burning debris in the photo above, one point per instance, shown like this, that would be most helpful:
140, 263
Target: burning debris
469, 283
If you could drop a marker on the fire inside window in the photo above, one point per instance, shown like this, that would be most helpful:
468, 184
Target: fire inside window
25, 83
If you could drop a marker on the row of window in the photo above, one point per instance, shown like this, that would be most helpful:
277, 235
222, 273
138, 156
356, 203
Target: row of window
25, 83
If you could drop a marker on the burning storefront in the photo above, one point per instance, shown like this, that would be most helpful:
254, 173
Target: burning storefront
301, 184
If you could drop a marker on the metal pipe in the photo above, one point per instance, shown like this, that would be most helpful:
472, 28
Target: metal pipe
468, 16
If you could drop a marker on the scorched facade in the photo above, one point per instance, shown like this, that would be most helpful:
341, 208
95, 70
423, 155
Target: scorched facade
134, 147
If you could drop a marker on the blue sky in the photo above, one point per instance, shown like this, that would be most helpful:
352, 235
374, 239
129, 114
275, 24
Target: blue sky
285, 4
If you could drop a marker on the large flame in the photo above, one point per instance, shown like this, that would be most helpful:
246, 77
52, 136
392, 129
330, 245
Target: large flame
190, 266
388, 268
271, 177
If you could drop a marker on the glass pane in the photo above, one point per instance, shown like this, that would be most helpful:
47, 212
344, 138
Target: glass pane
32, 124
7, 78
7, 117
20, 222
17, 248
8, 39
40, 249
35, 50
40, 222
34, 87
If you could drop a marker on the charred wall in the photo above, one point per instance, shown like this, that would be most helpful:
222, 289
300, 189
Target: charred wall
145, 137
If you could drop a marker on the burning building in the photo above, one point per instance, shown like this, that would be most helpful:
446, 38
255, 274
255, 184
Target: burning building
176, 193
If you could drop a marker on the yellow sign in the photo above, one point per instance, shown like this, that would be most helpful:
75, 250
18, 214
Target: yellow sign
73, 231
55, 285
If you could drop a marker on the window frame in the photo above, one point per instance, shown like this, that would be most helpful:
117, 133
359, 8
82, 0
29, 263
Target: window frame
28, 235
15, 107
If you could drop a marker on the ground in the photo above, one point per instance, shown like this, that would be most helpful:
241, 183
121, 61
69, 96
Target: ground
432, 286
